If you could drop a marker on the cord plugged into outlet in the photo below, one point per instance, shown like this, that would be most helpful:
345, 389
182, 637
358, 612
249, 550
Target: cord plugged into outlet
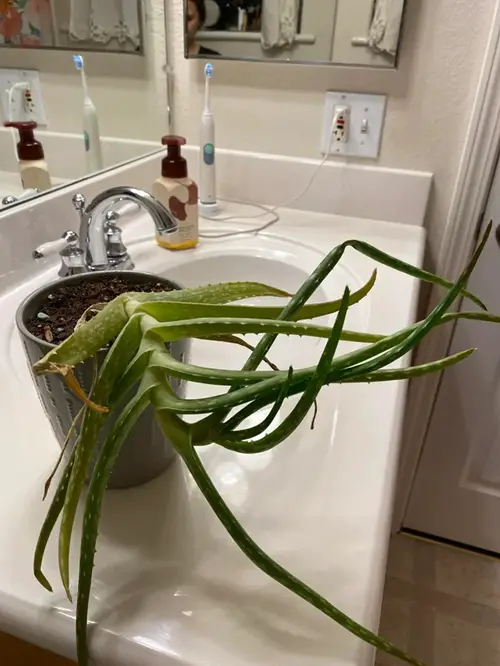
21, 96
358, 121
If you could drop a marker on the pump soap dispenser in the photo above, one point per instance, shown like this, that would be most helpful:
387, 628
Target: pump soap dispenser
32, 164
179, 194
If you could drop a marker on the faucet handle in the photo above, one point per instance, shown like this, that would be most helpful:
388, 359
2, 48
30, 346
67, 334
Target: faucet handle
115, 247
26, 194
78, 202
112, 217
46, 249
71, 255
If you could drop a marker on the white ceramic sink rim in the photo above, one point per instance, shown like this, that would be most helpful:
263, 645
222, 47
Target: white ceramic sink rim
198, 601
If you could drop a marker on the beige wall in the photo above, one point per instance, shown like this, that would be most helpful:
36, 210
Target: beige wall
278, 108
130, 92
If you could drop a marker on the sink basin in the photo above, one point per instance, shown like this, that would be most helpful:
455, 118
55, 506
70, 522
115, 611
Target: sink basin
272, 260
169, 586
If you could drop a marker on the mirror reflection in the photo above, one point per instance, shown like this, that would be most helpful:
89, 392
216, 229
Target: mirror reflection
99, 25
348, 32
81, 90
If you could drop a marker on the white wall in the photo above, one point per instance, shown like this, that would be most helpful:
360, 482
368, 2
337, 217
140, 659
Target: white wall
278, 108
130, 92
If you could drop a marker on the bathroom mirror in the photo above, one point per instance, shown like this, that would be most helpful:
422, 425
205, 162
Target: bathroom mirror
334, 32
129, 94
85, 25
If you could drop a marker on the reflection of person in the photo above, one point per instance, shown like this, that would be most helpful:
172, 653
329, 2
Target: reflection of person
196, 15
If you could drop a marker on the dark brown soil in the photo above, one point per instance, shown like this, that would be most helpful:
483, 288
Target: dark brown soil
58, 315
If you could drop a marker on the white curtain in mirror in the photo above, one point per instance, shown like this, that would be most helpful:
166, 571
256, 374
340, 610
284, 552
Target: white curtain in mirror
104, 20
279, 23
386, 26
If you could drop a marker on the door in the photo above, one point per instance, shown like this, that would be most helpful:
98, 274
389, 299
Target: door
456, 494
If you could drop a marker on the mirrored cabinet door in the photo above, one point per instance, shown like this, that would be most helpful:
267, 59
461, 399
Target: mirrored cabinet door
347, 32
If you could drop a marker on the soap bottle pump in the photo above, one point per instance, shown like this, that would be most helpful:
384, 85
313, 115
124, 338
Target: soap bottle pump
32, 165
179, 194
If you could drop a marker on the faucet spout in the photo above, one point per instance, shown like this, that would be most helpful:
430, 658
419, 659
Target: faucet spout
93, 222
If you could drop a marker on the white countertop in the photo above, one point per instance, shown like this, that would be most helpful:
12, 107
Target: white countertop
169, 586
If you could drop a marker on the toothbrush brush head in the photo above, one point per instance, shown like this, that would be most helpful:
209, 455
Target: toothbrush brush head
78, 60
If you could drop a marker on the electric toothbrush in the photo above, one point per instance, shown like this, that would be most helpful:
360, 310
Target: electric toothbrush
208, 195
91, 136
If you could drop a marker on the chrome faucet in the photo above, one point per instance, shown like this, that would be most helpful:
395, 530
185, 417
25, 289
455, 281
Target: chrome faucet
99, 245
100, 238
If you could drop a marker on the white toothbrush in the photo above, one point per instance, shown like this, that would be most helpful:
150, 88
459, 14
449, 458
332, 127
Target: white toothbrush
208, 195
91, 136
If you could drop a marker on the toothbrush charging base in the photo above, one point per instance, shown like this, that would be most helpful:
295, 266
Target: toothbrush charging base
208, 209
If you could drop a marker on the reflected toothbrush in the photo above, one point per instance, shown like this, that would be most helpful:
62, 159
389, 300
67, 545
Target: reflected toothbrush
208, 195
91, 136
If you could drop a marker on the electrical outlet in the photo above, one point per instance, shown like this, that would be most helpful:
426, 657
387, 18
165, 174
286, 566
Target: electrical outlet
360, 134
26, 100
341, 120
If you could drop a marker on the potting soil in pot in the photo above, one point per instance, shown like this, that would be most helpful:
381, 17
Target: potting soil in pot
61, 311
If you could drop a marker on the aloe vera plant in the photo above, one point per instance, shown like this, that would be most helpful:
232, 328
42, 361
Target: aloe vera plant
139, 325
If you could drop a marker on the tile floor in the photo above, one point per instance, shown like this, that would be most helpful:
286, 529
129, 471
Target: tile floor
441, 604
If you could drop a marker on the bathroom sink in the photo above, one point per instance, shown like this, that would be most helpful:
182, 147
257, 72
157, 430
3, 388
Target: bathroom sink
169, 586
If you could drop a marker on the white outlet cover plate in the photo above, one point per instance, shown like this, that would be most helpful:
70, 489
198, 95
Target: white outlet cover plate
10, 76
363, 107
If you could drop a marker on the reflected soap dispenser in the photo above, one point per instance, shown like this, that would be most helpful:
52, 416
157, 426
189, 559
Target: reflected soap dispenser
32, 165
179, 194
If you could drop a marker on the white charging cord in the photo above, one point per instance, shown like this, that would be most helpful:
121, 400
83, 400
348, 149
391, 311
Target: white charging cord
266, 210
21, 85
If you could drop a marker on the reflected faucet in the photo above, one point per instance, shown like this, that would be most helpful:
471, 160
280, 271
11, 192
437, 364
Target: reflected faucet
100, 238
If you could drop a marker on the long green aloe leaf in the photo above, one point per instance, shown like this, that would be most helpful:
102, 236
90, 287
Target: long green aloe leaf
112, 367
99, 481
225, 292
413, 372
53, 514
403, 267
165, 311
267, 564
427, 325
